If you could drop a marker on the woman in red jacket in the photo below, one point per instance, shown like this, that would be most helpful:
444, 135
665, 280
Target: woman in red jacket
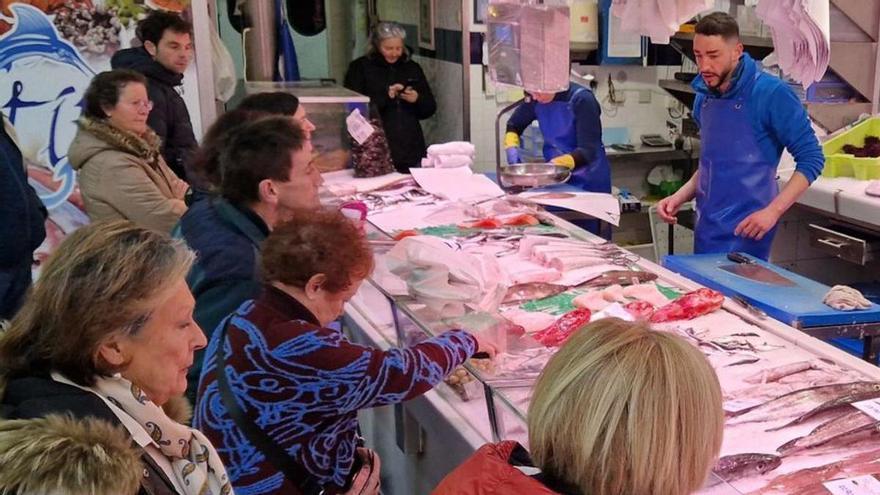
620, 409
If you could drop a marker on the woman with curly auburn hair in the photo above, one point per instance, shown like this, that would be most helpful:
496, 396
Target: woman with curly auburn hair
280, 390
620, 410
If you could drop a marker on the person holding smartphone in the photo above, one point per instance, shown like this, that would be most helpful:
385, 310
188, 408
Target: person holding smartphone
399, 93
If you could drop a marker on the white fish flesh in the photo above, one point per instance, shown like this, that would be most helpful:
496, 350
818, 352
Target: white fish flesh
593, 300
775, 374
646, 292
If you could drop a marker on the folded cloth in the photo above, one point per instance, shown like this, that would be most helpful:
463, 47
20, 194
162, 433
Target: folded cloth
873, 188
452, 148
452, 161
844, 298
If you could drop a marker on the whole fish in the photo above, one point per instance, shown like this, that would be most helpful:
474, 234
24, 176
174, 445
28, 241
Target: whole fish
33, 35
833, 404
737, 466
827, 432
798, 402
774, 374
532, 291
809, 480
620, 277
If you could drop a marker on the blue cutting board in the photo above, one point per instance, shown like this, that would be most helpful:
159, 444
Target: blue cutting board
799, 306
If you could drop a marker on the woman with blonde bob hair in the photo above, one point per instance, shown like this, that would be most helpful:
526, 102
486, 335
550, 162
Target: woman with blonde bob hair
100, 347
620, 409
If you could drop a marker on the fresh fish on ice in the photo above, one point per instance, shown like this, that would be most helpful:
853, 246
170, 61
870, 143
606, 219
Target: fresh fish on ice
737, 466
613, 293
566, 263
532, 291
775, 374
809, 481
827, 432
798, 402
531, 321
691, 305
835, 403
621, 277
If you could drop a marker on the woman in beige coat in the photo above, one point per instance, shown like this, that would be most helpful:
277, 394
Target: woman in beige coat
121, 173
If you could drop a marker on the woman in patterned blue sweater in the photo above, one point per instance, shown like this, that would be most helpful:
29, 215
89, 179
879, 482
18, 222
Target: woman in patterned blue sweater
300, 382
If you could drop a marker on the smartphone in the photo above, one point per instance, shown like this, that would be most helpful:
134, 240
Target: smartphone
410, 83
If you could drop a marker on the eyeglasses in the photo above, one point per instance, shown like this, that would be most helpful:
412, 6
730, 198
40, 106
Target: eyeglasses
145, 104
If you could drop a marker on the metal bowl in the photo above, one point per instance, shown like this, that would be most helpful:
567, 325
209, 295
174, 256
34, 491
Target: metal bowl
534, 174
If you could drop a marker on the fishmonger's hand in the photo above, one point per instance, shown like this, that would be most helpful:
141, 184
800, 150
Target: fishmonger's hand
756, 225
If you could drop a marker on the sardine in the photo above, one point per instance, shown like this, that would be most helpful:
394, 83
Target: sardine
832, 404
809, 480
734, 467
827, 432
799, 402
532, 291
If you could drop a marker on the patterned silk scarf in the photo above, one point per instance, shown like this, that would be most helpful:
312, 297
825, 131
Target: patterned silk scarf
195, 463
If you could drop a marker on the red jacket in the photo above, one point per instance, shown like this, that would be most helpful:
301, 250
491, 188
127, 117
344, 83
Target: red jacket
492, 471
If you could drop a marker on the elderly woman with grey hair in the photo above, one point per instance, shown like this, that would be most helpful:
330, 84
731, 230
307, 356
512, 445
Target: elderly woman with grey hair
92, 370
398, 90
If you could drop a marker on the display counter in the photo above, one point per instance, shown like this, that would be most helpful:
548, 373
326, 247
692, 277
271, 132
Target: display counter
757, 360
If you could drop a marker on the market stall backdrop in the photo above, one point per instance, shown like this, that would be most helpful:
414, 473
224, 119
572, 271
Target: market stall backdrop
49, 52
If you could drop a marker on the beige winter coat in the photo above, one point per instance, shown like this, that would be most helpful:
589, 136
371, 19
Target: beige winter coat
123, 176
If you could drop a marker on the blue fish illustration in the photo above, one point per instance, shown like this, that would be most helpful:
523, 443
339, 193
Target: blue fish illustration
34, 35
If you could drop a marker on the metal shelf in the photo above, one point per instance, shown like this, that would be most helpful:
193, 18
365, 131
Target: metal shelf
679, 90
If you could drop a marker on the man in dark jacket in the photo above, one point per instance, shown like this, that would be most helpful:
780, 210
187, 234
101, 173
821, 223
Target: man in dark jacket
165, 55
22, 224
266, 173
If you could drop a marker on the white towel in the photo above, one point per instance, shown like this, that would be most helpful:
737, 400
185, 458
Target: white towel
452, 148
447, 161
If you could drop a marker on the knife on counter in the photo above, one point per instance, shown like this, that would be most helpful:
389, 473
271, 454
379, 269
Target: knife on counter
751, 308
748, 268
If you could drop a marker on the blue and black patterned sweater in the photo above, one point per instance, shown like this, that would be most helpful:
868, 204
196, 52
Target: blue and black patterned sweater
303, 385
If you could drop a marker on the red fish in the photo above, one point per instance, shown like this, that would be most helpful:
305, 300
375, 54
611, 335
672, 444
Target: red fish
557, 333
403, 234
689, 306
640, 310
522, 220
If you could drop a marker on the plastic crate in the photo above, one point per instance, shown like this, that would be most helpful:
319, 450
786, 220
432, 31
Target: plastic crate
840, 164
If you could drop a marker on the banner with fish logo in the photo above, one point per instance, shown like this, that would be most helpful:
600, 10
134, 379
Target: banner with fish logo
49, 52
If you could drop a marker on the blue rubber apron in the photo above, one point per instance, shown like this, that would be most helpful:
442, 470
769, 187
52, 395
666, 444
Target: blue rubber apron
559, 128
735, 180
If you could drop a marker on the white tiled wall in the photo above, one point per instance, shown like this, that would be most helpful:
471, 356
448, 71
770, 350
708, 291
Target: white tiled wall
640, 118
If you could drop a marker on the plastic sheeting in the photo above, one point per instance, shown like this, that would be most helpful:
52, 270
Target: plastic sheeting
800, 31
658, 19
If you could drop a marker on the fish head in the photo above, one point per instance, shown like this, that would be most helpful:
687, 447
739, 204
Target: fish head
766, 463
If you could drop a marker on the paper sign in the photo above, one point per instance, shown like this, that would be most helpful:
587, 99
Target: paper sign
860, 485
598, 205
869, 407
456, 183
359, 128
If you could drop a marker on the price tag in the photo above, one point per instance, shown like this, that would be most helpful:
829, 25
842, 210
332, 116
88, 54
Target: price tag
861, 485
359, 127
869, 407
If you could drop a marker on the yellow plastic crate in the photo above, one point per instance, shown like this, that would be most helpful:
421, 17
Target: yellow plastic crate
840, 164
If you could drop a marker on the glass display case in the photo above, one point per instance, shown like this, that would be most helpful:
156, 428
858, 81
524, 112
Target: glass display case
505, 387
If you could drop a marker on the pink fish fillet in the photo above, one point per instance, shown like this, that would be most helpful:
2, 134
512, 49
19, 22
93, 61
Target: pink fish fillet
689, 306
593, 300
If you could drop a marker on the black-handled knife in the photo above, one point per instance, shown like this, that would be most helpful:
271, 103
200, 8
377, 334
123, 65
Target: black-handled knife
740, 258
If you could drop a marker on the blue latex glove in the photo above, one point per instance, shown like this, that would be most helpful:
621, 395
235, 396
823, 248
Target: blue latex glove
513, 155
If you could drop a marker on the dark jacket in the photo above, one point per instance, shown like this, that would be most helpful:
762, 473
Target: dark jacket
304, 384
49, 432
227, 241
169, 117
371, 75
495, 469
22, 224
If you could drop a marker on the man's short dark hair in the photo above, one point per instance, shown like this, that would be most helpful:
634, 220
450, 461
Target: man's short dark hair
258, 151
152, 27
275, 103
718, 24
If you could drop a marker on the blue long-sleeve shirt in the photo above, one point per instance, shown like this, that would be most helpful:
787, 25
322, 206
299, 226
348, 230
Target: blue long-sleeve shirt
584, 140
776, 114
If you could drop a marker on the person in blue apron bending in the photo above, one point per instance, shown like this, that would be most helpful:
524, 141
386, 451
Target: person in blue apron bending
746, 117
572, 131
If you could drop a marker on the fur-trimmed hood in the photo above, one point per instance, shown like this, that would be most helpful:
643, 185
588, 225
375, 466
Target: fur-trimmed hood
97, 136
61, 455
